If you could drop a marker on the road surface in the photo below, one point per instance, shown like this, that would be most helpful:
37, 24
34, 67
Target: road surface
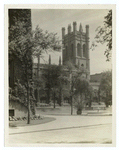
65, 129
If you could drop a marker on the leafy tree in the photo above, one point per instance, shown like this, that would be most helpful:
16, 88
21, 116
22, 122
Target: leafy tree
106, 87
89, 95
76, 82
23, 44
51, 77
104, 35
83, 93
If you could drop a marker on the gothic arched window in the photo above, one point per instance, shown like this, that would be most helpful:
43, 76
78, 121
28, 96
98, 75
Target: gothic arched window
66, 51
84, 50
72, 50
78, 50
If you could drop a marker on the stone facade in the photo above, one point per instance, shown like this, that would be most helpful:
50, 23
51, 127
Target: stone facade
17, 109
76, 47
15, 66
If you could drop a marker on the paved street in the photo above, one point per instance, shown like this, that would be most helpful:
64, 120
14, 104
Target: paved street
65, 129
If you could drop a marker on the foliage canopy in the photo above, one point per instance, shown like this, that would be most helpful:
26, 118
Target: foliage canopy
104, 35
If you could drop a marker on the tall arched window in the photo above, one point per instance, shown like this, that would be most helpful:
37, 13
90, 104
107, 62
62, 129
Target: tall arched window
66, 51
84, 50
78, 50
72, 50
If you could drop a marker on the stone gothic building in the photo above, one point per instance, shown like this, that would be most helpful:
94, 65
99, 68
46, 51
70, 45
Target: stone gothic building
76, 46
75, 49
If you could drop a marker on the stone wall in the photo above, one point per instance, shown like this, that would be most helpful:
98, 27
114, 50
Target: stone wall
19, 109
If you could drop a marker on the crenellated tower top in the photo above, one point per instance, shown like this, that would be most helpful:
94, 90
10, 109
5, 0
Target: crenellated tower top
76, 46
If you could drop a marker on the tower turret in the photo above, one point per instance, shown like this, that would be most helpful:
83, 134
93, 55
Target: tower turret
80, 28
63, 32
76, 47
69, 28
74, 27
87, 47
87, 31
87, 40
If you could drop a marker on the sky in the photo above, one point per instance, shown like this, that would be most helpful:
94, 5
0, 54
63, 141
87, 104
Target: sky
54, 19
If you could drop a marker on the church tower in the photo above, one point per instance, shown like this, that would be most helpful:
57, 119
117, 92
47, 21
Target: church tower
76, 46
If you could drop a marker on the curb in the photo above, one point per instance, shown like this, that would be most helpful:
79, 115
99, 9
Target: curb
90, 114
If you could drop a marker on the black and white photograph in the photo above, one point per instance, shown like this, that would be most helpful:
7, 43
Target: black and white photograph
60, 75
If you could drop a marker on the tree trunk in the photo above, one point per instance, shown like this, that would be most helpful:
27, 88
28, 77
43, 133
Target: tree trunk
49, 89
71, 105
28, 100
38, 97
71, 89
60, 97
48, 96
38, 66
99, 96
38, 76
90, 102
106, 100
54, 99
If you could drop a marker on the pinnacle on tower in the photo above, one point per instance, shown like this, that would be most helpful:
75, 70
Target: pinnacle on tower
69, 28
80, 28
87, 30
63, 32
74, 27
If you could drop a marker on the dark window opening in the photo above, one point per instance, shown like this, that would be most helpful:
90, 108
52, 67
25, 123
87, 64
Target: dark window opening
66, 51
84, 50
82, 65
11, 112
78, 50
72, 50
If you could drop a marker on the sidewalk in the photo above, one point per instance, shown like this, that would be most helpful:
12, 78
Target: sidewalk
65, 129
64, 122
